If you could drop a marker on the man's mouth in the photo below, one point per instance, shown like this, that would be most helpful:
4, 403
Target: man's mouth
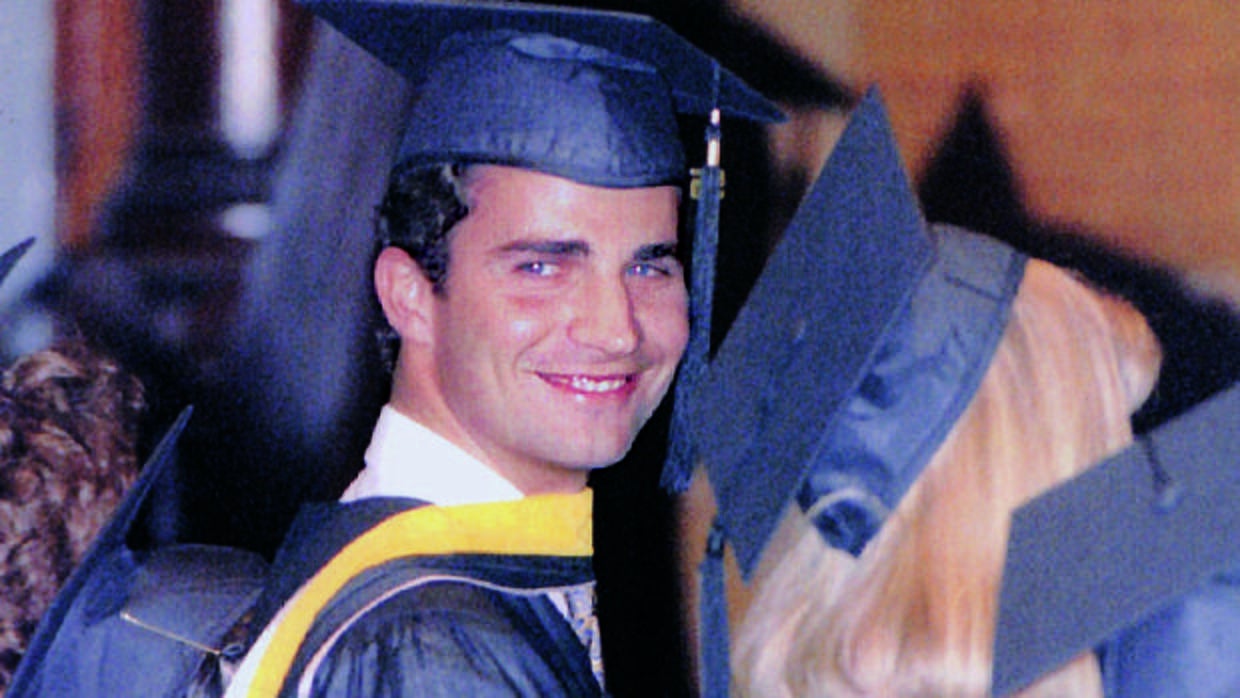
588, 384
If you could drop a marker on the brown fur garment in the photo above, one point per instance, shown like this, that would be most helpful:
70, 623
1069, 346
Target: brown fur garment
68, 422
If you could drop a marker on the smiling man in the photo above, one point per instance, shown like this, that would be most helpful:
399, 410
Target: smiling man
536, 312
555, 331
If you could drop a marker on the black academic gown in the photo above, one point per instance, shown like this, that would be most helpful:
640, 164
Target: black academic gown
474, 624
1189, 649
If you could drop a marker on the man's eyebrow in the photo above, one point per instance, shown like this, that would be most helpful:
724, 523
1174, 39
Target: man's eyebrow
551, 247
661, 250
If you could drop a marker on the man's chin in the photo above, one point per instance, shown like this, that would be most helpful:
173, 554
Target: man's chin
591, 465
586, 445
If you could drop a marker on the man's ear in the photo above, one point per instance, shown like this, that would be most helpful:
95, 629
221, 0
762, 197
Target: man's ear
405, 294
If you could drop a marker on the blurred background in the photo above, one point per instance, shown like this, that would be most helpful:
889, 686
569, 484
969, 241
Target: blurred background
201, 177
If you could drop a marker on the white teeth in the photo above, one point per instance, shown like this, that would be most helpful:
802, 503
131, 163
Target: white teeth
591, 385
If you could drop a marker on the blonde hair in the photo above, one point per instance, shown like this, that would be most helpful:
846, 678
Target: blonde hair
914, 614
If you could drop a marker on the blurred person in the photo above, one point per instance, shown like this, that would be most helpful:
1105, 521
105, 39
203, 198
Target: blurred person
68, 426
891, 392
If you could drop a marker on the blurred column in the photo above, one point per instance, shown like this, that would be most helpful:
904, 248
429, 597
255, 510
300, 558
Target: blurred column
190, 97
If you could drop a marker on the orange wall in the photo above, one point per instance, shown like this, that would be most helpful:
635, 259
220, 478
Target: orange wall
1122, 117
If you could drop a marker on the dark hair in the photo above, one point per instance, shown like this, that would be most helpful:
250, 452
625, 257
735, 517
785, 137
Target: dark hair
421, 206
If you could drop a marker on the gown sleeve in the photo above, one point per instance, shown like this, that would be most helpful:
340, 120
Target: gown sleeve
1188, 649
449, 640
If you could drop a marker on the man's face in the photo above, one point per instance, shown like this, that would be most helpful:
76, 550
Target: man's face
561, 323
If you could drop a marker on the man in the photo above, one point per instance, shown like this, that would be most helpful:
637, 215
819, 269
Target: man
532, 356
530, 278
548, 326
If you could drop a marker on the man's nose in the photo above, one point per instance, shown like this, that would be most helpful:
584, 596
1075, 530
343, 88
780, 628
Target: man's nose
604, 318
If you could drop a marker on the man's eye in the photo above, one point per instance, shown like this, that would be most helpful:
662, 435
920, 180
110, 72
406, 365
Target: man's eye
650, 269
536, 268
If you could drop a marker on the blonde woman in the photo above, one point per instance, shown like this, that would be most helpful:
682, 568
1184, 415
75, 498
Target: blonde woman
914, 614
889, 394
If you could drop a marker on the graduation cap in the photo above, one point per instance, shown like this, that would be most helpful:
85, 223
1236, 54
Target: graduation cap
102, 554
860, 345
589, 95
584, 94
1102, 551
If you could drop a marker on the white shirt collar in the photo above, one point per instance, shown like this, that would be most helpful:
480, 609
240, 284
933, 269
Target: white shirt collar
406, 459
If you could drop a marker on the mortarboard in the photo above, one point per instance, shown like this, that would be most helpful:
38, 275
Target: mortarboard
584, 94
859, 346
110, 541
1121, 540
861, 343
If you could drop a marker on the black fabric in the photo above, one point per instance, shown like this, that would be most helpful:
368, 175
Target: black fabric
678, 468
148, 626
405, 34
1118, 542
318, 532
587, 95
96, 590
456, 639
811, 327
454, 625
923, 374
1186, 650
713, 633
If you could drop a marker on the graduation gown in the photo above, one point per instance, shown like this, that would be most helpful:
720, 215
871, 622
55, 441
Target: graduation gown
1189, 649
383, 596
429, 601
